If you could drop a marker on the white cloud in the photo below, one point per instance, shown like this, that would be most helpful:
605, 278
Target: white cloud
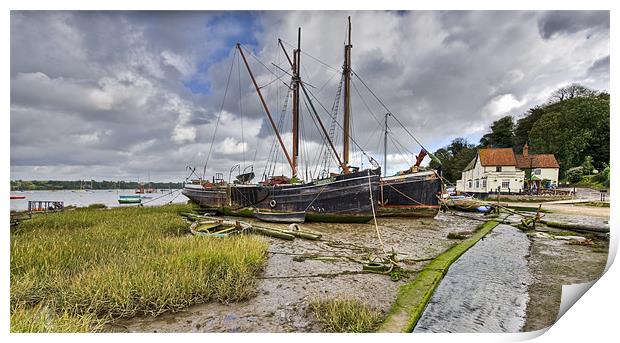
502, 105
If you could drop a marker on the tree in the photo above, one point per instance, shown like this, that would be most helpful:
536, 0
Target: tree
524, 126
573, 129
501, 135
587, 165
572, 91
454, 158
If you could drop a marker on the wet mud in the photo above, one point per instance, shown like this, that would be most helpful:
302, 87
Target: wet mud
521, 275
554, 263
291, 280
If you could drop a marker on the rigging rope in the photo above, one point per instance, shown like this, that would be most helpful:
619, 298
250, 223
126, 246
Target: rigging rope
395, 117
241, 109
217, 123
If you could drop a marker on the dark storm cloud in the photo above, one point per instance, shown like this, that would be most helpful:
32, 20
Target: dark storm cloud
123, 94
568, 22
600, 66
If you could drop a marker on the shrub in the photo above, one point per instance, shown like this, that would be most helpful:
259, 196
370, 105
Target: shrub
345, 315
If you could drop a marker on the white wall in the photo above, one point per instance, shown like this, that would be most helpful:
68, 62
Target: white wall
494, 179
548, 174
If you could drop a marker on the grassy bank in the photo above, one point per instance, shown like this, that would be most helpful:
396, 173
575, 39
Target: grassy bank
96, 265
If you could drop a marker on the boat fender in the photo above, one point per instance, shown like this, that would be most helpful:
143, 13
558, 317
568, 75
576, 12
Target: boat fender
272, 203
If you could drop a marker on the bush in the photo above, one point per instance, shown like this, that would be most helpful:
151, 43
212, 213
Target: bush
574, 175
345, 315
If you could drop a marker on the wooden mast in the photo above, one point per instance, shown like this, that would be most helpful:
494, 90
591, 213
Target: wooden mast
296, 79
303, 88
262, 100
347, 97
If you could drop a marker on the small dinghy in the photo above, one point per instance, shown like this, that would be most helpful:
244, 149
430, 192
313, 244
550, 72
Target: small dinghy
218, 227
281, 217
129, 199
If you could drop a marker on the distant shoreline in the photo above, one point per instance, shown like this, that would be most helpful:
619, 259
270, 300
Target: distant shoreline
56, 185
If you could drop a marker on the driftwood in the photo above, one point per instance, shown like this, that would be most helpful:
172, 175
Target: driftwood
576, 227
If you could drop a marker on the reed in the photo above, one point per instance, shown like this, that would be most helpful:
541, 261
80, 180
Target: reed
345, 315
123, 262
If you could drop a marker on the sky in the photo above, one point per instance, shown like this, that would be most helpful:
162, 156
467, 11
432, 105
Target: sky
136, 95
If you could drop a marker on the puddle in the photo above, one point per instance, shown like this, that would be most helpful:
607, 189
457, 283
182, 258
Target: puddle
485, 290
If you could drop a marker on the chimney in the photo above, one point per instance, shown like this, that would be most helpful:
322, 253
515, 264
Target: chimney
525, 150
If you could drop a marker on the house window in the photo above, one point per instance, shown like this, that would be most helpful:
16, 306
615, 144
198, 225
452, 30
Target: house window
477, 183
484, 183
506, 184
537, 171
498, 169
468, 183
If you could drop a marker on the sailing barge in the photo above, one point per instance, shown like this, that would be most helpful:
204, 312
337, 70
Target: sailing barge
353, 195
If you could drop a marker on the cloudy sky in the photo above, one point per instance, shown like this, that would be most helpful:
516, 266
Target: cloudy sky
125, 95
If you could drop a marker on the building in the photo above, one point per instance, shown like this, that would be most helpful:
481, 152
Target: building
490, 170
499, 169
541, 170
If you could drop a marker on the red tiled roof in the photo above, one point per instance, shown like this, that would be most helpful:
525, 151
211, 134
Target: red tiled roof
537, 161
497, 157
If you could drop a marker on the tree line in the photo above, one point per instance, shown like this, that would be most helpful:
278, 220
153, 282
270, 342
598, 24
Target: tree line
573, 125
82, 184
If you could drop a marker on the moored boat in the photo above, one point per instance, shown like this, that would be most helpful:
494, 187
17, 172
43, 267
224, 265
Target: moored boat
131, 200
281, 217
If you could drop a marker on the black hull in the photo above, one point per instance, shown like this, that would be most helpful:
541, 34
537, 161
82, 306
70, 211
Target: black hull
410, 195
281, 217
209, 198
344, 198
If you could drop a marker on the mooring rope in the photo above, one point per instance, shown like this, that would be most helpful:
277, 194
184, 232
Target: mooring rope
374, 216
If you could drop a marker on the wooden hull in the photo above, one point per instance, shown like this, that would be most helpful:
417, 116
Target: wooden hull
344, 198
129, 201
410, 195
281, 217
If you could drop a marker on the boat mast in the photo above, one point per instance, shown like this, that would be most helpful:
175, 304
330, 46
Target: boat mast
385, 138
344, 167
347, 96
262, 100
296, 80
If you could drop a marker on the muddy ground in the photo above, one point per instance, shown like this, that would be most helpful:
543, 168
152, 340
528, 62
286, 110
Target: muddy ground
291, 280
288, 284
554, 263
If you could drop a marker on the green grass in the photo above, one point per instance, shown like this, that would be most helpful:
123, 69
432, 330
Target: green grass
41, 319
123, 262
590, 181
593, 204
345, 315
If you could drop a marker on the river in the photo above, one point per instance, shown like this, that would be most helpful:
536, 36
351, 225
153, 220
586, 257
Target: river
485, 290
82, 198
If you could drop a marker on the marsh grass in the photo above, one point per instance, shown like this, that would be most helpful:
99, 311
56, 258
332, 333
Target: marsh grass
122, 262
345, 315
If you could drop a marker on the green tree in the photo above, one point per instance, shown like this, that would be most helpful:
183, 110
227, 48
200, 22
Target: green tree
573, 129
524, 126
454, 158
587, 165
501, 135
